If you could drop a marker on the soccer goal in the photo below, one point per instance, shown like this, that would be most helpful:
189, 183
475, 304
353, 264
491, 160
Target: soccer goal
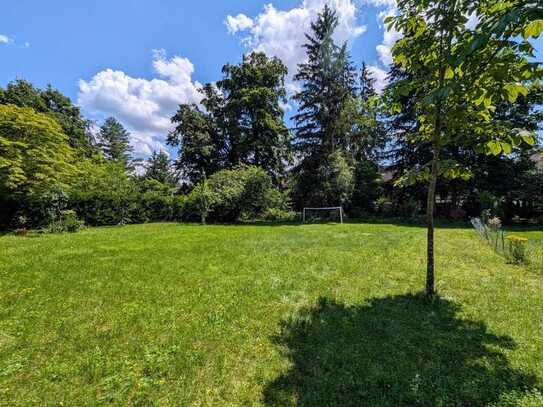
311, 213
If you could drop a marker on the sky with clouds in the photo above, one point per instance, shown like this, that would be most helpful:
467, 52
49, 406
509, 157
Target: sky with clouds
137, 60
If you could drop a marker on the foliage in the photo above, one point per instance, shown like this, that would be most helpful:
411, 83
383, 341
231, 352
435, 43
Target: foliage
516, 252
158, 167
243, 193
242, 122
34, 154
200, 137
324, 181
276, 214
66, 222
156, 201
200, 201
328, 82
366, 188
114, 141
50, 101
104, 194
253, 92
455, 105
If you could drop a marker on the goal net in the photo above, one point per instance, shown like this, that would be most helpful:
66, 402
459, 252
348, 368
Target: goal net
334, 213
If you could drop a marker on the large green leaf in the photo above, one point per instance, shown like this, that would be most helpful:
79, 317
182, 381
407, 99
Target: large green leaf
534, 29
495, 147
513, 90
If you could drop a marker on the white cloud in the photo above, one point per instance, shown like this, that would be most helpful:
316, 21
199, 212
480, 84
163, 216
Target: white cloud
4, 39
144, 106
281, 33
380, 76
384, 49
239, 23
26, 44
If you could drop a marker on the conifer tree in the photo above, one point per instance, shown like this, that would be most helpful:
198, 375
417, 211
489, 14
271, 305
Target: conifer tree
115, 141
328, 82
323, 126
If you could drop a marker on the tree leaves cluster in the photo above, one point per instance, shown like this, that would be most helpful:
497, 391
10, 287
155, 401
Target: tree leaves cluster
240, 121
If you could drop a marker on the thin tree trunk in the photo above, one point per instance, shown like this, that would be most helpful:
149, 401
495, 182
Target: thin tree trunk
430, 205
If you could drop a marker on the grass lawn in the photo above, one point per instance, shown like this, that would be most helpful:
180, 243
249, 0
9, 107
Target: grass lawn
309, 315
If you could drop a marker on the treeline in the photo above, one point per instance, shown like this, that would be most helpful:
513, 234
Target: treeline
239, 159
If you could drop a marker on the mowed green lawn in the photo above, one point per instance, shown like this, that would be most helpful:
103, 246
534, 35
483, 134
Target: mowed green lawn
311, 315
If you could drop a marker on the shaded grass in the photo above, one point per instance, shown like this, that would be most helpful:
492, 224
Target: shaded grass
188, 315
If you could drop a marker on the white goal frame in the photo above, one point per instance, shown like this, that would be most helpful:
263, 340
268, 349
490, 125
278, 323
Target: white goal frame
340, 208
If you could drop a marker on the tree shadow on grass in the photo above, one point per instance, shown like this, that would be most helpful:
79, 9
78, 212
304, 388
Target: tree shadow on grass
393, 351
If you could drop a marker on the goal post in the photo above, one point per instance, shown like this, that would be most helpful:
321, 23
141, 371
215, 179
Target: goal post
332, 208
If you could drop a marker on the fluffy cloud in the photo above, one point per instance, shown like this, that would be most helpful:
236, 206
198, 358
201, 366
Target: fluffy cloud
4, 39
281, 33
380, 75
384, 49
144, 106
239, 23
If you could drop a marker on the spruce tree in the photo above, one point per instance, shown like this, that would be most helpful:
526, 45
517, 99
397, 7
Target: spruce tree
323, 128
367, 83
115, 141
328, 82
159, 168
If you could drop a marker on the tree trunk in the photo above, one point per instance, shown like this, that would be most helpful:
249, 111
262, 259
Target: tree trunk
430, 205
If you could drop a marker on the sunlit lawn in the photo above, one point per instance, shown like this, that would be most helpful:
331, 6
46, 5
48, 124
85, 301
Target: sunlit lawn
310, 315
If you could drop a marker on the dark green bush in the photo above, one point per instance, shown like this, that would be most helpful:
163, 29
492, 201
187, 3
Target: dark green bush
66, 222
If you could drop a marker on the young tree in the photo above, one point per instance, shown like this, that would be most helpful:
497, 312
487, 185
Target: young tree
115, 141
459, 74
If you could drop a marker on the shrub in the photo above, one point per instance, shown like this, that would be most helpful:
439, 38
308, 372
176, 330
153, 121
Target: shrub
200, 201
105, 195
516, 252
384, 206
155, 201
67, 222
243, 193
275, 215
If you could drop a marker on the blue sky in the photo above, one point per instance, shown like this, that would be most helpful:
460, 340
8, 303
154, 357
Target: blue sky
138, 59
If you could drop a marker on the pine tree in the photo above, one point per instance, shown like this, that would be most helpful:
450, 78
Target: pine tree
367, 83
159, 168
115, 141
323, 125
328, 82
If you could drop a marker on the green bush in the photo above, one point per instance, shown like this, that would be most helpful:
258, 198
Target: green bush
516, 249
67, 222
275, 215
200, 202
243, 193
